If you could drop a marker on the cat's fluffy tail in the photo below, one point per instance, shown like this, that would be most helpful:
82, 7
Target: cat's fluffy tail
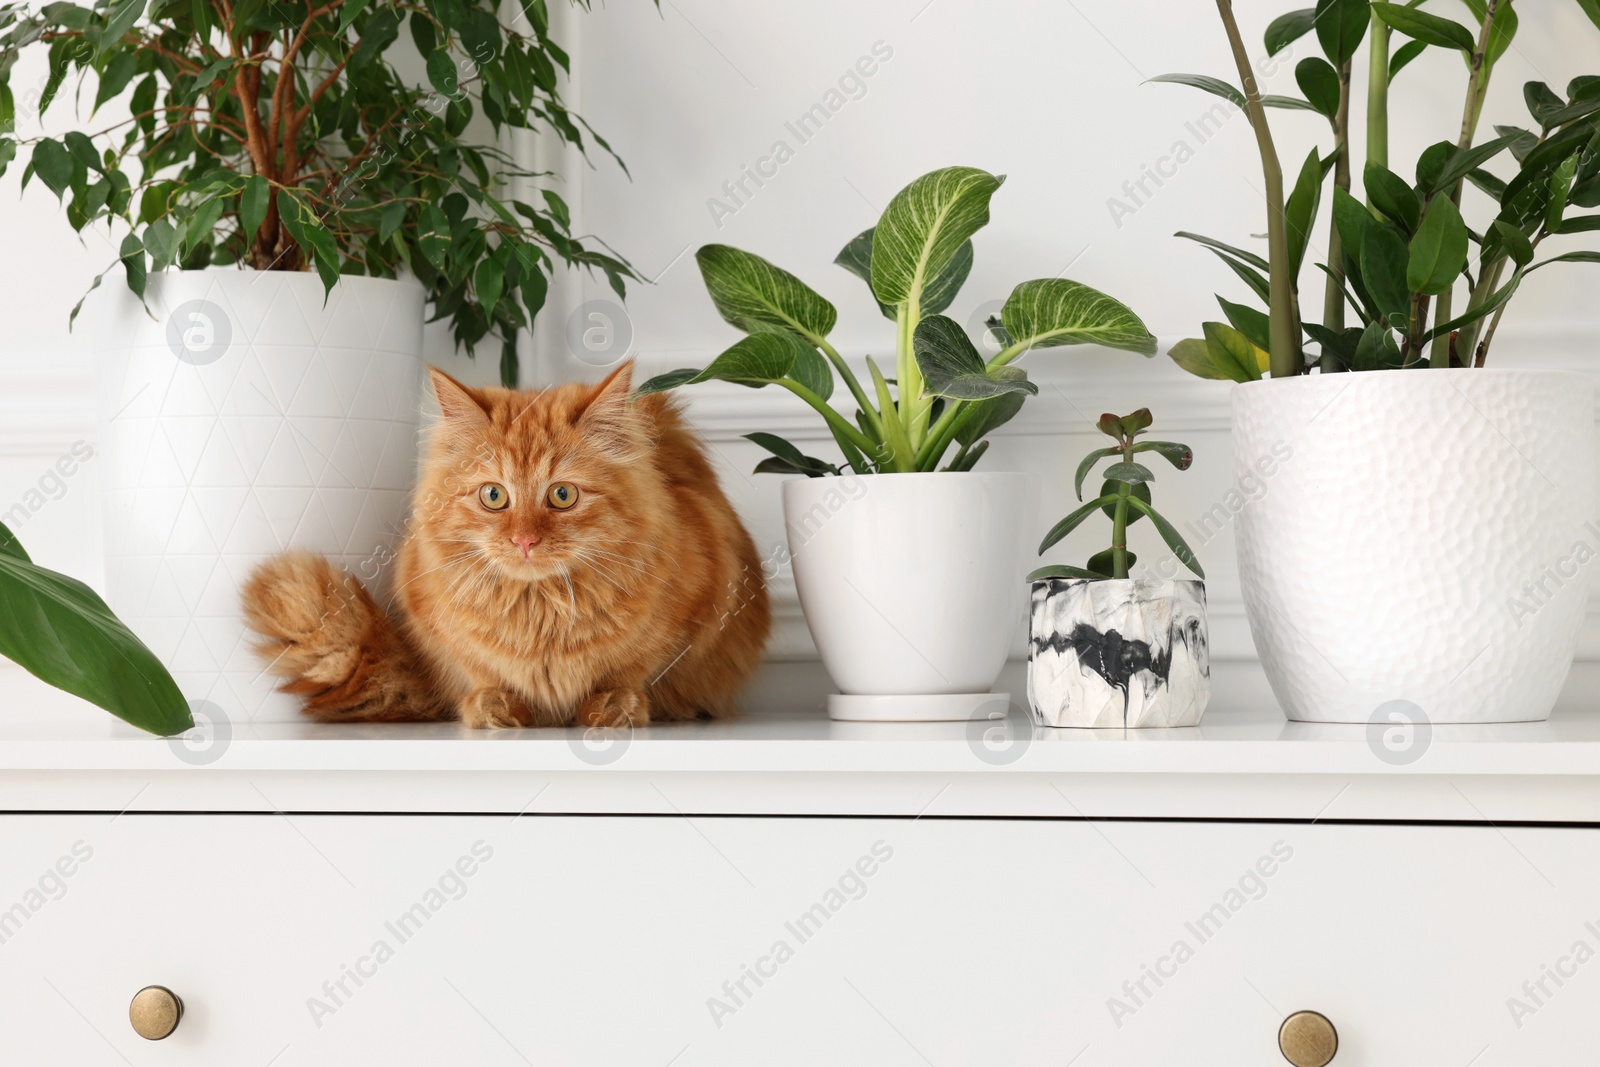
333, 645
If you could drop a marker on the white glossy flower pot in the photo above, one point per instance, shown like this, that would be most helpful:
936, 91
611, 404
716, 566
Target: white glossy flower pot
911, 585
1133, 652
239, 416
1425, 536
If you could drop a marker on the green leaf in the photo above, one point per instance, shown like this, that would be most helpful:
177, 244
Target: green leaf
1577, 224
757, 297
62, 633
348, 13
442, 73
1341, 24
756, 360
1432, 162
1463, 163
1404, 55
1062, 570
1376, 349
1320, 82
924, 227
1288, 28
1439, 249
1103, 563
787, 459
488, 281
1169, 534
981, 417
1592, 9
951, 366
1488, 307
1255, 325
1300, 211
1393, 196
1384, 260
1087, 465
856, 257
1567, 257
1214, 86
1180, 456
120, 17
1225, 355
393, 215
1217, 246
1430, 29
161, 240
379, 33
1129, 473
1560, 189
53, 163
1073, 521
1542, 101
1111, 488
1233, 351
132, 256
1515, 242
1288, 103
253, 205
1048, 312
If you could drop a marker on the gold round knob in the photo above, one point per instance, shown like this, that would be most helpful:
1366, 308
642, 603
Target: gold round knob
155, 1012
1308, 1039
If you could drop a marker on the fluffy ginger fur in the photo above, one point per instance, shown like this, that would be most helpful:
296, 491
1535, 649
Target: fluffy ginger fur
643, 599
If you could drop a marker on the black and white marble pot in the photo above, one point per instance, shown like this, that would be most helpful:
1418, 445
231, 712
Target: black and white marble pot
1118, 652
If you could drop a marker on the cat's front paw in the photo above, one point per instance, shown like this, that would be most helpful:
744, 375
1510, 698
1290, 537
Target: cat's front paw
614, 707
494, 708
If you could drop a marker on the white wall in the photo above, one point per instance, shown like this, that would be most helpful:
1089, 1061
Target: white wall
1050, 94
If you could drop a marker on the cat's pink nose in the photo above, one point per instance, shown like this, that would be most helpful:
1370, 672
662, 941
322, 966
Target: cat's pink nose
525, 543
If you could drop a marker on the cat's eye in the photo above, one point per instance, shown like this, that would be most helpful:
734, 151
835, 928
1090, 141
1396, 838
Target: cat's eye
493, 496
563, 495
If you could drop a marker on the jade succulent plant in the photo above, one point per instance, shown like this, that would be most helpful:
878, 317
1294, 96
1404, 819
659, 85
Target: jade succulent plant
1124, 498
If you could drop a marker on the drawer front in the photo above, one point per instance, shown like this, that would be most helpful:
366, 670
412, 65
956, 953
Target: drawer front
338, 940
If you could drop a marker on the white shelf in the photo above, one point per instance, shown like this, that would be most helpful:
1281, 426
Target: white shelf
1244, 761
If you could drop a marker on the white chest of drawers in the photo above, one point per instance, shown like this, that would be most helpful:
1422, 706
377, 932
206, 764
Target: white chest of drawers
790, 891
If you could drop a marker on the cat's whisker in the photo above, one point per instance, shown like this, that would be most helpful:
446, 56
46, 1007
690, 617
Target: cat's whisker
449, 561
627, 561
600, 572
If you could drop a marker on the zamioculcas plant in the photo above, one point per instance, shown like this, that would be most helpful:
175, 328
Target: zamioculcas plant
940, 392
1125, 499
1425, 288
61, 632
282, 135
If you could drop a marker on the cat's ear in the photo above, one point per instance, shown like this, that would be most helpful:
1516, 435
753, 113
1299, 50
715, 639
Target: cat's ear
610, 419
457, 403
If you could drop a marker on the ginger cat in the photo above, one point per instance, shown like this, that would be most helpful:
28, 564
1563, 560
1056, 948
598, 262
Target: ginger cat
570, 558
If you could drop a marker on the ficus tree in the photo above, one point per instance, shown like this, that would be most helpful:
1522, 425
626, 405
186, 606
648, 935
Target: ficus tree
1424, 286
284, 135
939, 393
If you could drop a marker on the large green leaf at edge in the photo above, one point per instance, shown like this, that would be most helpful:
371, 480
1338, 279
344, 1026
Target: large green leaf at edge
924, 227
1057, 311
757, 360
756, 296
61, 632
951, 366
938, 294
1224, 354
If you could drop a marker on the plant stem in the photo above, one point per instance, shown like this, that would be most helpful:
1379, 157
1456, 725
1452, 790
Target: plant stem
1119, 523
908, 376
835, 420
1333, 290
1285, 325
851, 382
1477, 86
940, 434
1378, 96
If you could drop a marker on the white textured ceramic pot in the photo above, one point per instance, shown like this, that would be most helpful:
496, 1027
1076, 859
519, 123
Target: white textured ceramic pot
911, 585
239, 416
1421, 536
1118, 652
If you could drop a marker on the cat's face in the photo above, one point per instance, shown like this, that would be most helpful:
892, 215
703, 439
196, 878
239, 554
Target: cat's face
536, 485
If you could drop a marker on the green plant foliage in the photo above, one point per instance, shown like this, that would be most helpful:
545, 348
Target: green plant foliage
62, 633
1428, 287
283, 136
1124, 498
941, 394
